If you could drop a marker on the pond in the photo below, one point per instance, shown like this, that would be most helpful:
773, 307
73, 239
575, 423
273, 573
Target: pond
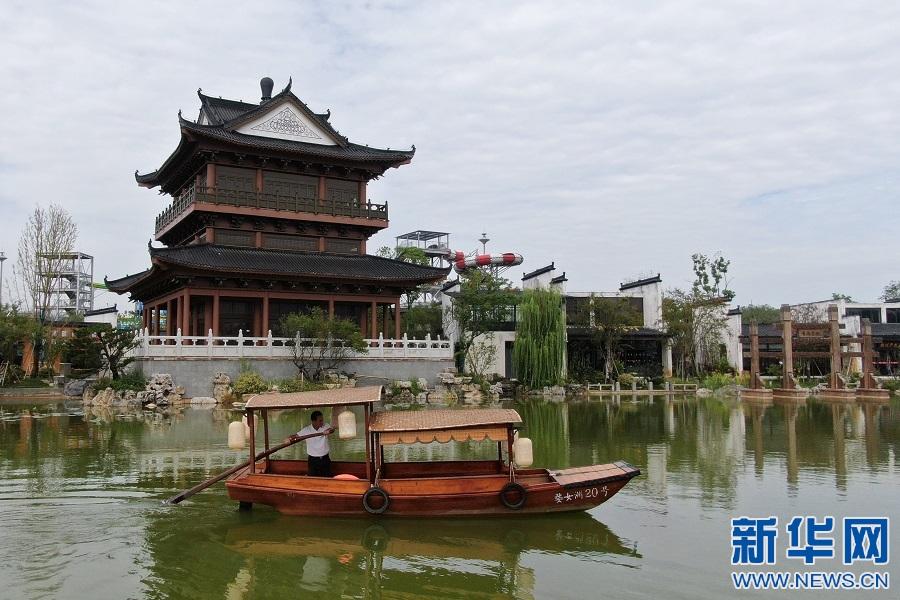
81, 513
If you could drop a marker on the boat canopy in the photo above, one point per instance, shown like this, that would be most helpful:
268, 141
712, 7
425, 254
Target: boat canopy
411, 426
319, 398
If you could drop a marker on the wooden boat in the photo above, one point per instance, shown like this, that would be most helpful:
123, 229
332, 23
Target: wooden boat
416, 489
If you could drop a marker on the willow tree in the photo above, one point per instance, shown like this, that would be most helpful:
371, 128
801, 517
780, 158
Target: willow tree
540, 348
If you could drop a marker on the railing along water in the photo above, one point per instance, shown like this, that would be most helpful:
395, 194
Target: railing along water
240, 346
266, 200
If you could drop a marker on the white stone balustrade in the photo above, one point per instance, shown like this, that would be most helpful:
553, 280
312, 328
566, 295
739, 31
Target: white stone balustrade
240, 346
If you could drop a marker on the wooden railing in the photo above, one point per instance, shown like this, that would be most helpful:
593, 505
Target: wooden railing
265, 200
240, 346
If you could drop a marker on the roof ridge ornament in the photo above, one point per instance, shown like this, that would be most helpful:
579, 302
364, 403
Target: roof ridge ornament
287, 88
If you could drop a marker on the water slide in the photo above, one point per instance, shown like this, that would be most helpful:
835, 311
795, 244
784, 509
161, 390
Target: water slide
462, 263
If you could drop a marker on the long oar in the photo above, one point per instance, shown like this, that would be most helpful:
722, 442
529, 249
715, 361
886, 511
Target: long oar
202, 486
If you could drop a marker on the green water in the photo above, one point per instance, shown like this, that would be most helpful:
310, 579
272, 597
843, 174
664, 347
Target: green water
81, 513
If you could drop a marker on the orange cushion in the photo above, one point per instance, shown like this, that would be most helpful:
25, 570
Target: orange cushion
347, 476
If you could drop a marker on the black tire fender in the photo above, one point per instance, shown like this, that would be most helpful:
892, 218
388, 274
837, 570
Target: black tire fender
375, 491
516, 489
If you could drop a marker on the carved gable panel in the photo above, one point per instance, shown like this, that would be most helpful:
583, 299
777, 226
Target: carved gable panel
287, 122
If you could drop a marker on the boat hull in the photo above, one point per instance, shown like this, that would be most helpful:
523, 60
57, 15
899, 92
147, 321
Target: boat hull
436, 496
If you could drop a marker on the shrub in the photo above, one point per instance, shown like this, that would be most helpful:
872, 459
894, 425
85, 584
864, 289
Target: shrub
295, 385
714, 381
134, 381
892, 384
250, 382
625, 380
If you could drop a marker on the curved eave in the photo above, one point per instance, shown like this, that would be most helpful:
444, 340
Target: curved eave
125, 284
353, 153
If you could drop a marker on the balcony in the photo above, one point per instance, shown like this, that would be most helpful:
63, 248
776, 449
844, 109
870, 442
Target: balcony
196, 195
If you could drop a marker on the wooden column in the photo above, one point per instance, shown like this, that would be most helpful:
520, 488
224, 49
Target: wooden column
362, 192
252, 441
384, 320
186, 314
331, 308
397, 320
787, 331
144, 317
374, 318
211, 175
169, 318
754, 356
265, 417
265, 314
834, 379
321, 188
157, 325
215, 314
362, 321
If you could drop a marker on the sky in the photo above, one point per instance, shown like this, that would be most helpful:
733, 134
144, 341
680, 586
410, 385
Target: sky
615, 139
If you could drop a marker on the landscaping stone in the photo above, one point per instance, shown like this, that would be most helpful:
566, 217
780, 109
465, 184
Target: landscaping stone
75, 387
222, 390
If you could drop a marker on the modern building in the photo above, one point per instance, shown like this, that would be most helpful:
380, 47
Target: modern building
71, 276
269, 215
644, 348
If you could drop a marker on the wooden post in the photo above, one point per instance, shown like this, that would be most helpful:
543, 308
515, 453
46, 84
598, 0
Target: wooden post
374, 317
787, 331
144, 317
331, 308
186, 314
368, 443
215, 314
157, 326
252, 440
835, 381
169, 318
211, 175
321, 193
384, 320
265, 315
509, 452
868, 355
754, 356
397, 320
265, 416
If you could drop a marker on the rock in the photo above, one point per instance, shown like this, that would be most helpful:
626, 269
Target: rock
423, 383
75, 387
179, 389
88, 397
704, 392
203, 400
403, 385
222, 390
104, 398
150, 406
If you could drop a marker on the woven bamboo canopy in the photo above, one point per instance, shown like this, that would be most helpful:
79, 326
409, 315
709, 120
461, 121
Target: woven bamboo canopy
335, 397
408, 427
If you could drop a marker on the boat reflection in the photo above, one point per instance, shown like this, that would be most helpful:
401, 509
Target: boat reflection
414, 558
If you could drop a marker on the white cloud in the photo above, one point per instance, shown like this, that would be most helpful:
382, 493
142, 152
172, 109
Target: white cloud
612, 138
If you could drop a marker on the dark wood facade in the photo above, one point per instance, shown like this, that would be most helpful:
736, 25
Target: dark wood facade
269, 215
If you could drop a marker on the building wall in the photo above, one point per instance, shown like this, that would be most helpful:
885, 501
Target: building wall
734, 348
196, 374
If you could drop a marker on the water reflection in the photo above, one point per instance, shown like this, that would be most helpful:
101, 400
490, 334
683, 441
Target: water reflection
80, 496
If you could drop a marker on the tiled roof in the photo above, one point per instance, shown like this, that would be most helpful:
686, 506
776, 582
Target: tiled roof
349, 151
257, 261
633, 284
537, 272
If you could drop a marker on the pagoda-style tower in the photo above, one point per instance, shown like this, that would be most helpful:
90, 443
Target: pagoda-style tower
269, 216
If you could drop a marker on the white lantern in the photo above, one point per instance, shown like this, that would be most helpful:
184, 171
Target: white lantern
346, 425
247, 426
522, 452
236, 435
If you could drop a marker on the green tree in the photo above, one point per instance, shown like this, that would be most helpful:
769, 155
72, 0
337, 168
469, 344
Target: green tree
115, 348
695, 324
419, 321
83, 350
711, 274
540, 348
15, 328
891, 291
840, 296
482, 301
608, 320
763, 314
320, 343
409, 254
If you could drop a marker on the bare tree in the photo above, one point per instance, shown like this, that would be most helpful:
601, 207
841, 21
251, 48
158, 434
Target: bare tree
47, 236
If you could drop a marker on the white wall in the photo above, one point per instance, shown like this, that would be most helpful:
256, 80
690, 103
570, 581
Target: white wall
734, 350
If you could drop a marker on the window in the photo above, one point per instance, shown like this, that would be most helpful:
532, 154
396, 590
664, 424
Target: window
342, 246
872, 314
233, 237
289, 242
341, 190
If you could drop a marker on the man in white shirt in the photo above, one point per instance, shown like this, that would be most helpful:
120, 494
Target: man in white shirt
318, 461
